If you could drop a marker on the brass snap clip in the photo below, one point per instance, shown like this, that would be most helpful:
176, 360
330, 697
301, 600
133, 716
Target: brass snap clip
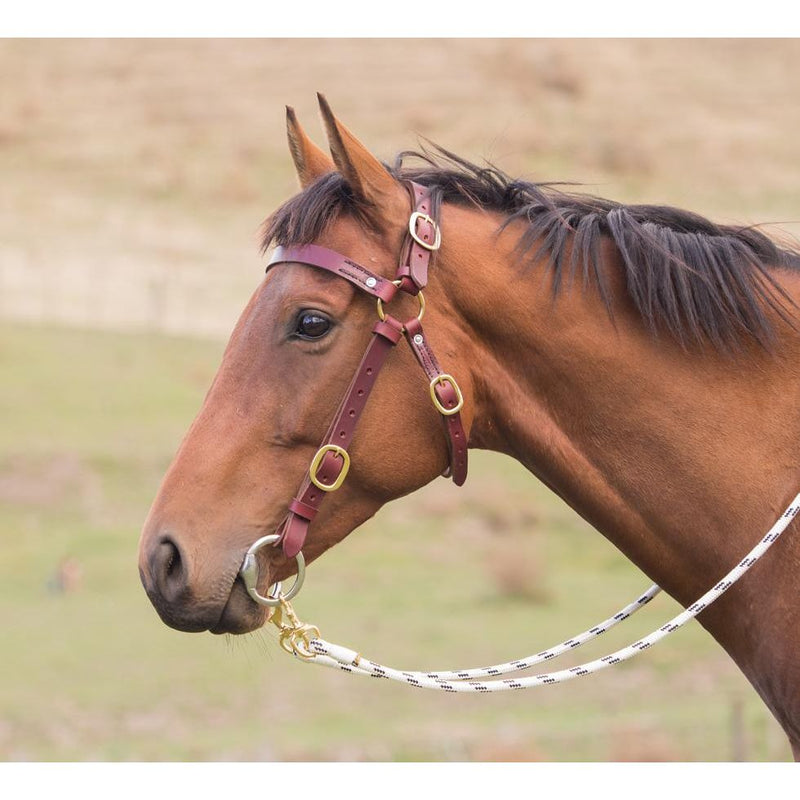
294, 636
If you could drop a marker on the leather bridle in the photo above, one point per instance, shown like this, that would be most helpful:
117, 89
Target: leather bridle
331, 463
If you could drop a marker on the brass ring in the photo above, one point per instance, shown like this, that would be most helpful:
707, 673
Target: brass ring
420, 298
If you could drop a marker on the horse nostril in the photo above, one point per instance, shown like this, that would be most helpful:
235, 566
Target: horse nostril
173, 562
168, 570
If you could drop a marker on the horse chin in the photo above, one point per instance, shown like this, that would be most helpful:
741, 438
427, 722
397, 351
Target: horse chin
240, 615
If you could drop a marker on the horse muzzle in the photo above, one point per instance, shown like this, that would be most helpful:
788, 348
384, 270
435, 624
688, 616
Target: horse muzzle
193, 599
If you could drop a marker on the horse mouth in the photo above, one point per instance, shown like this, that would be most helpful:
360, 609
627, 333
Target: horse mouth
240, 614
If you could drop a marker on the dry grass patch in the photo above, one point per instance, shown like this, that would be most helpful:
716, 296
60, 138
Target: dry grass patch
642, 743
46, 482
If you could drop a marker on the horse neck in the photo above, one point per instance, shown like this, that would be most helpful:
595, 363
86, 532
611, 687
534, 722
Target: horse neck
682, 459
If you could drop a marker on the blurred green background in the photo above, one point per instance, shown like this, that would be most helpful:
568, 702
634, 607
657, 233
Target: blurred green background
135, 175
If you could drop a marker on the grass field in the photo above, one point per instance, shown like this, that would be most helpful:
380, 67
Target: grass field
135, 175
444, 578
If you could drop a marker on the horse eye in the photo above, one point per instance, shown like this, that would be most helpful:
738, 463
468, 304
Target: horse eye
312, 325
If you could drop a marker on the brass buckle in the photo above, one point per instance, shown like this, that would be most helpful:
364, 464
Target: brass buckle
317, 460
444, 378
412, 229
420, 298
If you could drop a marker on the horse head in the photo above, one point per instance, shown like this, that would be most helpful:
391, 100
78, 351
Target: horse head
281, 382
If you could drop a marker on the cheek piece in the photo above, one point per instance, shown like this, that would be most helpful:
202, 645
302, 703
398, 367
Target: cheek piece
329, 467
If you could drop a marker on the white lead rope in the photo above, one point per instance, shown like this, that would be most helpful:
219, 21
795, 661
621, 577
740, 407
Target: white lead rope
510, 666
318, 651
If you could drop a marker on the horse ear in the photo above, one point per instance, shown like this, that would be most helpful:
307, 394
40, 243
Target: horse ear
309, 161
367, 177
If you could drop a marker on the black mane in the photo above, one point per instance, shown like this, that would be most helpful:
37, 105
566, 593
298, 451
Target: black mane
698, 280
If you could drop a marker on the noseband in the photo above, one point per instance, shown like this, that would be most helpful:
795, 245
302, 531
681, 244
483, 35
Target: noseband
331, 463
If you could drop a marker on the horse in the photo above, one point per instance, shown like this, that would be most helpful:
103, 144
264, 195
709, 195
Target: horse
641, 361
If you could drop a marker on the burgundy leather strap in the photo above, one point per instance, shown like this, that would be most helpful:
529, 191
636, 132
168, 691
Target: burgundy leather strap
339, 265
304, 507
448, 396
412, 276
413, 269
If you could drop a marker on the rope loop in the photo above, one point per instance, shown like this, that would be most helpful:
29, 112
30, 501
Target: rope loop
304, 641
